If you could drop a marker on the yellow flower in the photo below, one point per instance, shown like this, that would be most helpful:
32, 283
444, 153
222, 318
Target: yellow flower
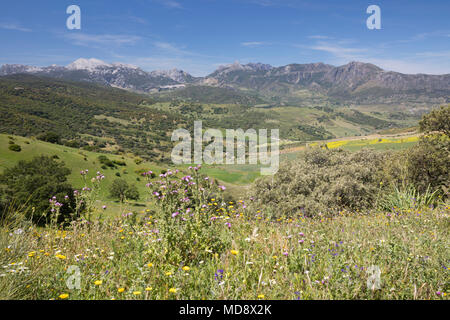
60, 256
150, 265
234, 252
186, 268
261, 296
98, 282
120, 290
148, 289
64, 296
136, 293
173, 290
168, 273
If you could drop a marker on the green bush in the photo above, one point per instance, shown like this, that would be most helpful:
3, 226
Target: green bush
407, 197
51, 137
438, 120
104, 160
121, 190
120, 163
429, 162
30, 184
15, 148
323, 181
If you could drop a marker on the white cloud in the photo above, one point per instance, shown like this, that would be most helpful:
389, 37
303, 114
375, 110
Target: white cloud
424, 62
170, 4
337, 50
254, 43
319, 37
102, 39
13, 26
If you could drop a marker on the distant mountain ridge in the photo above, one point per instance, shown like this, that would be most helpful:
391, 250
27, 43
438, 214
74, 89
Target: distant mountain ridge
355, 81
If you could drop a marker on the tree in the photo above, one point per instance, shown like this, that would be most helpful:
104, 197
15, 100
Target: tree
51, 137
15, 147
429, 162
438, 120
121, 190
30, 184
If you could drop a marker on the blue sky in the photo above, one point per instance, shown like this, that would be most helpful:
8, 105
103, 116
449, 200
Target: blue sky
199, 35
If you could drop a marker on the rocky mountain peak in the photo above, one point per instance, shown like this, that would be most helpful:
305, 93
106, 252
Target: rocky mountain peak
87, 64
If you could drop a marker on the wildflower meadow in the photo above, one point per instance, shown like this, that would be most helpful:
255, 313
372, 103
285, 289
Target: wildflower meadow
190, 243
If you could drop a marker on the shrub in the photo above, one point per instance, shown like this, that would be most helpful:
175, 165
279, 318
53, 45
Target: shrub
2, 204
32, 183
429, 162
438, 120
15, 148
105, 161
407, 197
51, 137
188, 222
120, 163
323, 181
72, 144
121, 190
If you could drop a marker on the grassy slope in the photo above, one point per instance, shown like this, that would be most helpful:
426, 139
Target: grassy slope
235, 174
333, 261
235, 177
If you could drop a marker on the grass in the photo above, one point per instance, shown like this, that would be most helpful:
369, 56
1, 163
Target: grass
377, 144
235, 176
288, 259
237, 252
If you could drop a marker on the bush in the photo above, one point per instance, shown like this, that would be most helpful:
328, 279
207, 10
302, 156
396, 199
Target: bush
72, 144
323, 181
2, 204
121, 190
429, 162
32, 183
407, 197
105, 161
189, 224
51, 137
120, 163
438, 120
15, 148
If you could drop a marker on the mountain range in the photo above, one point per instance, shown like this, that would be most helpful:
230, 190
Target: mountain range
355, 82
